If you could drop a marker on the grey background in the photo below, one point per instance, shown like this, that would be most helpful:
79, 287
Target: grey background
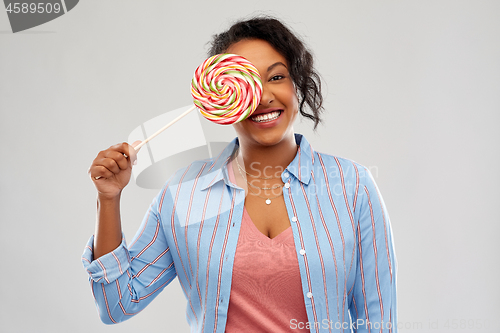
412, 91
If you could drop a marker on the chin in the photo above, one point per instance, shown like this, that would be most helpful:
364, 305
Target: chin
272, 137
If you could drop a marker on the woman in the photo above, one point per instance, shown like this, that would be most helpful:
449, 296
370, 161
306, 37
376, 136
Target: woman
270, 236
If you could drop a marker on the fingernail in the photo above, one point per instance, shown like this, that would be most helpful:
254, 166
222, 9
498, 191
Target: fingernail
135, 162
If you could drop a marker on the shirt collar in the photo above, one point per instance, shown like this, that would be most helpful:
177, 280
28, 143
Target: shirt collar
303, 162
217, 171
300, 167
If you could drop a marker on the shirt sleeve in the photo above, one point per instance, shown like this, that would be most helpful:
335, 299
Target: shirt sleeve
126, 280
373, 305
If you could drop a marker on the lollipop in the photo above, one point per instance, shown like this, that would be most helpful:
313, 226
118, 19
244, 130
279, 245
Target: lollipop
226, 89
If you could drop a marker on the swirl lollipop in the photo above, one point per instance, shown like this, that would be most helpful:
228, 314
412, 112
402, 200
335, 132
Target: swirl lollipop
226, 89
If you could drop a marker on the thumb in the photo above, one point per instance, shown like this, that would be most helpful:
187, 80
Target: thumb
133, 152
136, 143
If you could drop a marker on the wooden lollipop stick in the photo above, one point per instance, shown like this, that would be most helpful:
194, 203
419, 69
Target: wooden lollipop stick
164, 127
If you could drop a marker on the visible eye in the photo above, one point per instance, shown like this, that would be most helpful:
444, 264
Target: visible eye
277, 77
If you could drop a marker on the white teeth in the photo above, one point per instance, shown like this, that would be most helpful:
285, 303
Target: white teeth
260, 118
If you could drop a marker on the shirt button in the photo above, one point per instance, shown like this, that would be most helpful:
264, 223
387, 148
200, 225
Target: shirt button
286, 175
309, 295
302, 251
294, 219
287, 185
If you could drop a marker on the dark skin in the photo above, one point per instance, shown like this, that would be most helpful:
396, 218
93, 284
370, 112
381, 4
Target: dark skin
113, 168
266, 148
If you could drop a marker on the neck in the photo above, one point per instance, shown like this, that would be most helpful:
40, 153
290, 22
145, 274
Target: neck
267, 160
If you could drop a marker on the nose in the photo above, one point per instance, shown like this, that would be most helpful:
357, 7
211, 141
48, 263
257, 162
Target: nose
267, 96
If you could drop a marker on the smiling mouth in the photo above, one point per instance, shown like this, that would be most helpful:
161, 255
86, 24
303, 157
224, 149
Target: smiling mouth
265, 117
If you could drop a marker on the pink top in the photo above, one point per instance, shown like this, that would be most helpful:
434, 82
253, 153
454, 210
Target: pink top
266, 290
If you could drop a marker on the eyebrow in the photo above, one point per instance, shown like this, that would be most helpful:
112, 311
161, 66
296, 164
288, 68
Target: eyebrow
276, 64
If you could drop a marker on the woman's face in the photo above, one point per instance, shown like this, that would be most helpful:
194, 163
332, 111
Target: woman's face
272, 122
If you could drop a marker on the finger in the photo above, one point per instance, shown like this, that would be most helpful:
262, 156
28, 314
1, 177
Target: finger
123, 148
109, 164
120, 159
100, 172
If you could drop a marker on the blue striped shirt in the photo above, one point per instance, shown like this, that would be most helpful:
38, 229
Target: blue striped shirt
341, 231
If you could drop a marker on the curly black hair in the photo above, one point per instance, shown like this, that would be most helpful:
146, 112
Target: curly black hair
300, 60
